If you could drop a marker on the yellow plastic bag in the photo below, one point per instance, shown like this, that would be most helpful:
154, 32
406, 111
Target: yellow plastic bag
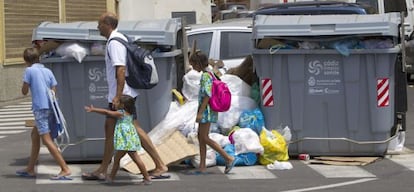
275, 147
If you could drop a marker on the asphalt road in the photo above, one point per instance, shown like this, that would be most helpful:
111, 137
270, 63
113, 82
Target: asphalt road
394, 172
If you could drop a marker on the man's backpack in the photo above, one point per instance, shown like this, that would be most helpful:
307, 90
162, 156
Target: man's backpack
220, 99
142, 73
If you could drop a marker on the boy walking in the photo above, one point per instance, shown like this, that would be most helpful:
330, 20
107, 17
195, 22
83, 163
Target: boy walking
40, 80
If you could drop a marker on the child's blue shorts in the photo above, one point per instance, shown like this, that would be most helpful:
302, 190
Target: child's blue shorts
43, 117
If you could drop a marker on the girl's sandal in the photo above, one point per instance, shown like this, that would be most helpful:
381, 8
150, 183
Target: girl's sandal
229, 166
145, 182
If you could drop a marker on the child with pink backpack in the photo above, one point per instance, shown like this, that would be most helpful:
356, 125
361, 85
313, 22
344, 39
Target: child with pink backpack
205, 113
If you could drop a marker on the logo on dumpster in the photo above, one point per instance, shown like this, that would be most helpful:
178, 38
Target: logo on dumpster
98, 87
92, 87
324, 76
328, 67
311, 81
95, 74
315, 67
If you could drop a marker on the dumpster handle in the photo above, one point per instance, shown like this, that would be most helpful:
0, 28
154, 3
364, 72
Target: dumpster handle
85, 140
275, 48
399, 127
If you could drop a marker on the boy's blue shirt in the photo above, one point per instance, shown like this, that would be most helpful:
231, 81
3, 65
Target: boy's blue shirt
37, 76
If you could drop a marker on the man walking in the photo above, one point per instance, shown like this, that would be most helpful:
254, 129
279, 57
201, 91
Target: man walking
115, 60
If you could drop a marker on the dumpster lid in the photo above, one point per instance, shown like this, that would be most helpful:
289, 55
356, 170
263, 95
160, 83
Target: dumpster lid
317, 25
161, 31
67, 31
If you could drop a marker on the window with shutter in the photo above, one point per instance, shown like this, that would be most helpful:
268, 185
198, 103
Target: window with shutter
81, 10
20, 17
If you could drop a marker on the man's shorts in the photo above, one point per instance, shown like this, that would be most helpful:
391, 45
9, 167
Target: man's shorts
43, 118
133, 113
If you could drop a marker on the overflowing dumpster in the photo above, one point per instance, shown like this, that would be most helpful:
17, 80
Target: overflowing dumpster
330, 79
83, 82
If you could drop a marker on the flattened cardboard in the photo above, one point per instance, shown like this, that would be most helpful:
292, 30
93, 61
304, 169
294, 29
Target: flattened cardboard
343, 160
173, 149
245, 71
49, 46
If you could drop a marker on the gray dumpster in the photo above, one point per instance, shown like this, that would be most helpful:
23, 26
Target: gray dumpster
85, 83
333, 103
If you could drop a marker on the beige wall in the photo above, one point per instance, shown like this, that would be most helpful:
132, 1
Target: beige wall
11, 82
160, 9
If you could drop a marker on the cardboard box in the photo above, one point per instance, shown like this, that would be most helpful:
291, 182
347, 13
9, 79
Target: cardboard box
245, 71
174, 148
343, 160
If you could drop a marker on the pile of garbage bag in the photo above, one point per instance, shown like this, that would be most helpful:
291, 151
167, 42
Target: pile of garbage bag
240, 131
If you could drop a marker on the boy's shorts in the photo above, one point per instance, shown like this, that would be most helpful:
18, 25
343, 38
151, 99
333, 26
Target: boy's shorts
43, 117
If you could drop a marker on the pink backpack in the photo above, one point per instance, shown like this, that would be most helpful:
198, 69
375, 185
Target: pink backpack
220, 99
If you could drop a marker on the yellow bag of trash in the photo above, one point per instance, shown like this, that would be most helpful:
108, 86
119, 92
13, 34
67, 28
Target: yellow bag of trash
275, 147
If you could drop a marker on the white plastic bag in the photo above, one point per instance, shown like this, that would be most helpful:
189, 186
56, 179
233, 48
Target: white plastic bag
97, 48
187, 114
286, 133
279, 165
210, 158
178, 117
246, 140
222, 140
236, 85
210, 154
75, 50
191, 85
397, 143
227, 120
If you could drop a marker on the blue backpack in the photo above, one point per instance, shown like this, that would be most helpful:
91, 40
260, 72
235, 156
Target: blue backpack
142, 73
